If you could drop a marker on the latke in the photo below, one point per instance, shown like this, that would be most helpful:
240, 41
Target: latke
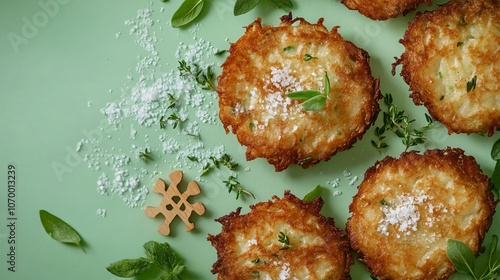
269, 62
407, 208
452, 64
283, 238
383, 9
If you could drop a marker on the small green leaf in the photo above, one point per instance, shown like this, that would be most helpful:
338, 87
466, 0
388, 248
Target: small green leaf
471, 85
495, 150
187, 12
303, 94
282, 4
493, 248
314, 104
313, 194
58, 229
244, 6
163, 256
129, 267
495, 179
327, 85
461, 256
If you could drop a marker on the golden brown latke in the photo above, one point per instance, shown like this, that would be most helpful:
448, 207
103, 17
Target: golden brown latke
452, 64
248, 246
268, 62
406, 209
383, 9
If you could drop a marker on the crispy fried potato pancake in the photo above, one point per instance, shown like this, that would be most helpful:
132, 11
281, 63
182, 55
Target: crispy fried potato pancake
251, 246
269, 62
452, 64
383, 9
406, 209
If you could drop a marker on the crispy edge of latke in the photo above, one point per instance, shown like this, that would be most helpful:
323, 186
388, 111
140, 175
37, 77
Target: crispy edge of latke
423, 98
283, 159
313, 208
455, 157
375, 13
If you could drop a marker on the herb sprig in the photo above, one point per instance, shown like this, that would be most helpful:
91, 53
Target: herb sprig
233, 184
146, 155
399, 122
157, 254
205, 78
464, 261
244, 6
314, 100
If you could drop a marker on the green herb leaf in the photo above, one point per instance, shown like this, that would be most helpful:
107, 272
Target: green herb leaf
244, 6
461, 256
164, 256
283, 238
233, 184
495, 150
471, 85
303, 94
314, 104
129, 267
308, 57
187, 12
313, 194
495, 179
59, 230
282, 4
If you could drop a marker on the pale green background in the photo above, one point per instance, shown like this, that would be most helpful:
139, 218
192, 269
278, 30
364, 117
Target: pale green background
73, 58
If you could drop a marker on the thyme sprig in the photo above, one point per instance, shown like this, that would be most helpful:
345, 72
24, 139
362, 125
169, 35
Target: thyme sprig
174, 119
146, 155
233, 184
399, 122
205, 78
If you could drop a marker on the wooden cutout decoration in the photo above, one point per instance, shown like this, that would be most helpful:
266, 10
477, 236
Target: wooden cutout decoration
174, 203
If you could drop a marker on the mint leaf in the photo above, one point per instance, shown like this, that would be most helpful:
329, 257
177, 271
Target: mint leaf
462, 257
244, 6
313, 194
187, 12
129, 267
59, 230
282, 4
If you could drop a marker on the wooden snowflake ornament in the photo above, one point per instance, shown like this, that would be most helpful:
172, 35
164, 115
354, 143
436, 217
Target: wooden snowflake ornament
175, 203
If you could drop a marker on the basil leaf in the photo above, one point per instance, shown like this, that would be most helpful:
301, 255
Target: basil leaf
187, 12
493, 248
314, 104
495, 179
313, 194
461, 256
58, 229
303, 94
129, 267
170, 276
282, 4
164, 256
495, 150
244, 6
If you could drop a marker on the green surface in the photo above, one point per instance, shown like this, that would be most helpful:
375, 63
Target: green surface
62, 62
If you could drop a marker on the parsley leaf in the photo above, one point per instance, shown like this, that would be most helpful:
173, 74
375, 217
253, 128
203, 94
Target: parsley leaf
471, 85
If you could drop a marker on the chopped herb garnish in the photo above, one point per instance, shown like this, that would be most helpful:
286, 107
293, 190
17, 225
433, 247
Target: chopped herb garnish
146, 155
283, 238
287, 48
471, 85
225, 160
203, 78
172, 101
221, 52
399, 123
175, 119
308, 57
313, 194
256, 261
459, 44
313, 100
233, 184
